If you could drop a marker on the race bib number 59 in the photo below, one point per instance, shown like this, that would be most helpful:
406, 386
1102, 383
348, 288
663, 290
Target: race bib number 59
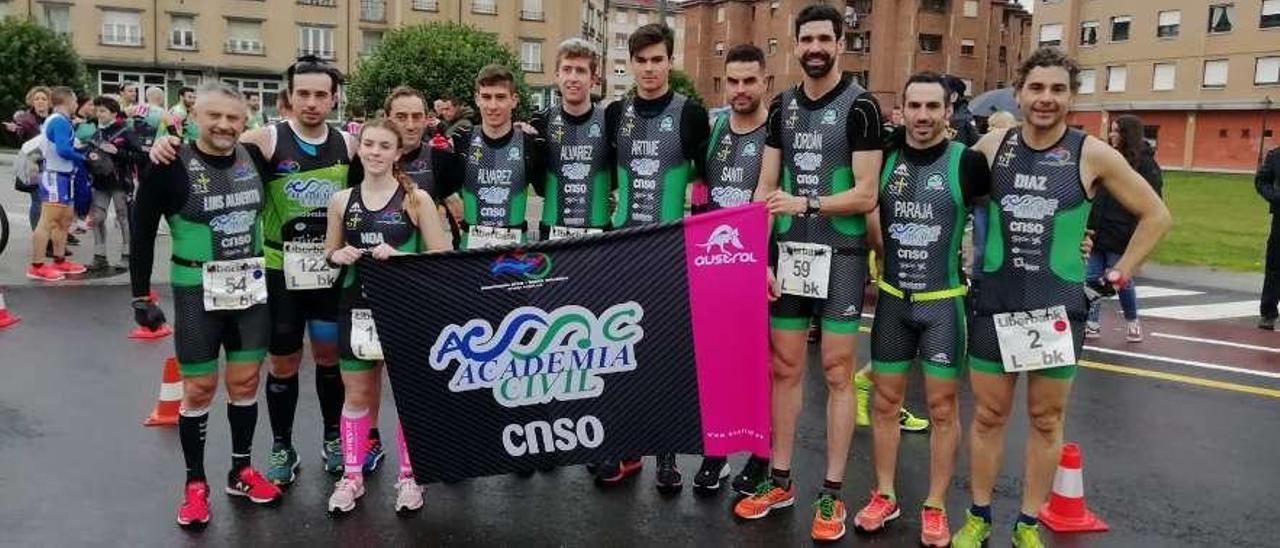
804, 269
1036, 339
304, 266
234, 285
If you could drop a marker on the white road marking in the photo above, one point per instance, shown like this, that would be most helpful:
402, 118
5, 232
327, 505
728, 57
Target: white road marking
1200, 312
1217, 342
1153, 292
1192, 363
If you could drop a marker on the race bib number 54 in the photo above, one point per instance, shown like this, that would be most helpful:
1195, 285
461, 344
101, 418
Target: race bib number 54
1036, 339
304, 266
804, 269
234, 285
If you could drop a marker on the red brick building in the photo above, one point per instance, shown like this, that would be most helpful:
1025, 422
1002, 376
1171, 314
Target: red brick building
981, 41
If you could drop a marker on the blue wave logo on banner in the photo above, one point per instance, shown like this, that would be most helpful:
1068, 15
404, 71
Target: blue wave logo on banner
530, 266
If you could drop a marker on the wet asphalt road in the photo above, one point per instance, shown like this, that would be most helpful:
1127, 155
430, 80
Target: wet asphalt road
1166, 463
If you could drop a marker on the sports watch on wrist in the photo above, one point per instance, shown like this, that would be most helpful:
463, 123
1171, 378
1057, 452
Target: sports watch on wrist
814, 205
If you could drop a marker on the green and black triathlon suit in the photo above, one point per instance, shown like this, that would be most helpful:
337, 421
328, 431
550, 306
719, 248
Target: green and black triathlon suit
924, 203
1038, 213
365, 228
500, 173
733, 164
817, 140
659, 144
438, 172
579, 177
300, 179
213, 205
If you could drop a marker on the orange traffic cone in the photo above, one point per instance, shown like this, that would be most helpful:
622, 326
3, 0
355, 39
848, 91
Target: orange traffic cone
142, 333
166, 411
1066, 511
6, 319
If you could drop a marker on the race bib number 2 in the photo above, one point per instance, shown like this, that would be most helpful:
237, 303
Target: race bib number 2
304, 266
234, 285
364, 336
1036, 339
481, 237
804, 269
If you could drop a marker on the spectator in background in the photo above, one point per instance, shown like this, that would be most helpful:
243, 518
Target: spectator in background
61, 161
1001, 120
128, 96
256, 118
1269, 188
180, 114
1113, 225
26, 124
150, 118
114, 156
455, 117
966, 131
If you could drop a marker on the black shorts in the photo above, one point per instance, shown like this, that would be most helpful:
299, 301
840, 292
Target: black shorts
200, 335
984, 348
293, 311
840, 312
933, 331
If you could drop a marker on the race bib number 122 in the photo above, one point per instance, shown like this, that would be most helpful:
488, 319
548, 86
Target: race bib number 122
1036, 339
804, 269
304, 266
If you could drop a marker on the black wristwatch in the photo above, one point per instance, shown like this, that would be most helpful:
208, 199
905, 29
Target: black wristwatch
815, 205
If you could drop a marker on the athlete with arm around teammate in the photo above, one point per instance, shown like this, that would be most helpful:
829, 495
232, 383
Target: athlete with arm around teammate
1030, 306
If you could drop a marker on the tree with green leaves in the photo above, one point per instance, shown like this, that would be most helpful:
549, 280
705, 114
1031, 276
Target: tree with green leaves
682, 83
32, 55
435, 58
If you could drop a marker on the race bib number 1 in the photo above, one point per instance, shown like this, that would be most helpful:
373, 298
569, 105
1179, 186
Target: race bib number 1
234, 285
804, 269
364, 336
562, 232
481, 237
1036, 339
304, 266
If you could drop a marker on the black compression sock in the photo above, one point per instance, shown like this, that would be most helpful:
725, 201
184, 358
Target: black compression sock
191, 430
243, 419
781, 478
282, 402
329, 389
374, 434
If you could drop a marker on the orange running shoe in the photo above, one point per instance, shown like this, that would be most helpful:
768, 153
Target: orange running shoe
768, 497
933, 527
878, 511
828, 521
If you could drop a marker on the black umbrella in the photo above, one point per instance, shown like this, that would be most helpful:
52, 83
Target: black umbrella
994, 101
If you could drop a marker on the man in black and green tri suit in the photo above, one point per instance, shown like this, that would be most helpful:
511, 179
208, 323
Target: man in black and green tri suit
502, 166
579, 161
733, 161
926, 188
821, 164
305, 162
659, 139
213, 201
1030, 304
430, 161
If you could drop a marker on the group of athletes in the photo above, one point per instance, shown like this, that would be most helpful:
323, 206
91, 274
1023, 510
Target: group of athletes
268, 226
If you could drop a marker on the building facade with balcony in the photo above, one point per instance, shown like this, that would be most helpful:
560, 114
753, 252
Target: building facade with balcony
249, 43
625, 16
885, 41
1203, 76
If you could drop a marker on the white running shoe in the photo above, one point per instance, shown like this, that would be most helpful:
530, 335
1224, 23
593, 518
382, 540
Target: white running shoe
1134, 332
408, 495
1092, 330
345, 493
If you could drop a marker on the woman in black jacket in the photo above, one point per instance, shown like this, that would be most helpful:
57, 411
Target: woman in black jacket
1113, 226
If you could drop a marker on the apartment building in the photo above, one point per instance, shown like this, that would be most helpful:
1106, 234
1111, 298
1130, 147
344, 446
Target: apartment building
1203, 75
981, 41
624, 17
249, 43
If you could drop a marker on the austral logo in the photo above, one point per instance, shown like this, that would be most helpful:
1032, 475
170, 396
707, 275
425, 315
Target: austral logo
723, 247
535, 356
530, 266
